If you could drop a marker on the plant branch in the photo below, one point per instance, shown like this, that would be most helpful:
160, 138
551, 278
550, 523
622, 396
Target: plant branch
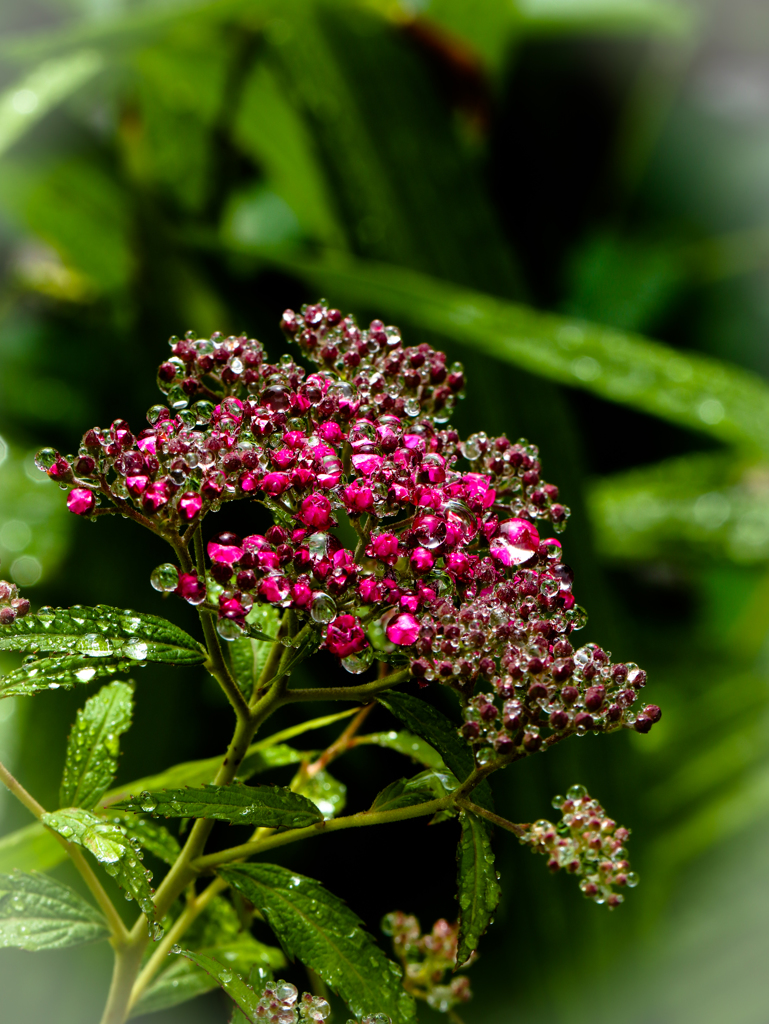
517, 830
343, 742
127, 961
361, 820
360, 693
193, 909
216, 664
89, 876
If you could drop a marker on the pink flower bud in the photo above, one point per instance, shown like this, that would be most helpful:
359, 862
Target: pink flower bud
81, 501
316, 511
516, 542
403, 630
275, 483
358, 498
191, 588
345, 636
384, 546
421, 559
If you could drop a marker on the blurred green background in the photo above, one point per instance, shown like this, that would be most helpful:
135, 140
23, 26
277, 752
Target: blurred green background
537, 186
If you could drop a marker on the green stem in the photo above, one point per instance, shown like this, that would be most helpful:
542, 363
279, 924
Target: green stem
216, 664
114, 920
127, 961
14, 786
364, 692
361, 820
193, 909
517, 830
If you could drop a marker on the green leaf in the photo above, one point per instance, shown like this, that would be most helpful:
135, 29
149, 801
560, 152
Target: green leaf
248, 656
322, 931
406, 743
426, 721
93, 745
37, 912
110, 845
419, 789
683, 508
102, 632
183, 979
265, 806
197, 773
303, 727
29, 99
327, 793
259, 761
31, 848
76, 206
233, 984
53, 673
262, 755
154, 837
269, 128
695, 391
478, 890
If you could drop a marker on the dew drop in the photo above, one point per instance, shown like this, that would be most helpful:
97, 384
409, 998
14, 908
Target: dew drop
323, 608
229, 630
165, 577
137, 650
147, 802
94, 646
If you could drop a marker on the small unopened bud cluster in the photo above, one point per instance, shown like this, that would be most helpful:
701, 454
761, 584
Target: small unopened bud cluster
588, 843
280, 1003
546, 691
12, 606
427, 958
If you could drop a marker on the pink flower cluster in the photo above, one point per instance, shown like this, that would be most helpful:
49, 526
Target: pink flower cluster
588, 843
427, 958
391, 537
12, 606
544, 691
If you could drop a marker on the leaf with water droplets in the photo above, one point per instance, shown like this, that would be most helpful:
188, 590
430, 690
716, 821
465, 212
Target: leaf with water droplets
419, 789
37, 912
406, 743
57, 672
184, 979
265, 806
110, 845
102, 632
248, 656
93, 745
152, 836
441, 733
320, 930
327, 793
233, 984
695, 391
478, 890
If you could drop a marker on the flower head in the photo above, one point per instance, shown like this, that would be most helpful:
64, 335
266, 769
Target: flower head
587, 843
455, 572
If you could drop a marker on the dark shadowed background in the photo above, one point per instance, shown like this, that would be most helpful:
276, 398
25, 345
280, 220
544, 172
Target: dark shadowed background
457, 168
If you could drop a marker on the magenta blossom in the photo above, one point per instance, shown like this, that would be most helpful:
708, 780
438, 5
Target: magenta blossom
345, 636
403, 630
